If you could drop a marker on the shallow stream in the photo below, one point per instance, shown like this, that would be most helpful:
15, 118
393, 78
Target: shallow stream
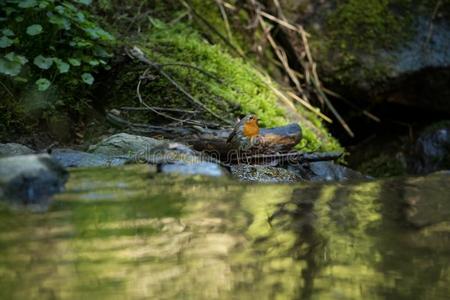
128, 233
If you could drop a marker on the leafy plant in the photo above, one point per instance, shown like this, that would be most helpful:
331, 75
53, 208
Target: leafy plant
43, 41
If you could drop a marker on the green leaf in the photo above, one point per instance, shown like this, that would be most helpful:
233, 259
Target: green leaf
60, 10
19, 19
11, 68
27, 3
85, 2
42, 84
34, 29
87, 78
74, 62
62, 66
5, 42
80, 43
7, 32
94, 62
60, 22
43, 4
43, 62
13, 57
101, 52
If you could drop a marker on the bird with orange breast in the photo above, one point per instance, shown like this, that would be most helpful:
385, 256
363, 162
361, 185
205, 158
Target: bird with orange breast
245, 135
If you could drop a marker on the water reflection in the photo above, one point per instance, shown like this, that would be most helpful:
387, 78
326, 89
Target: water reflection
135, 235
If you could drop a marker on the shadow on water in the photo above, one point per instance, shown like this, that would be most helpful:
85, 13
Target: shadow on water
125, 233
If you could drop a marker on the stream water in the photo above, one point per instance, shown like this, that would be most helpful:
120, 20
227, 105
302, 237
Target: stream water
128, 233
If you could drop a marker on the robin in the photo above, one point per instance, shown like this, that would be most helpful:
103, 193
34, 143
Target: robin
245, 134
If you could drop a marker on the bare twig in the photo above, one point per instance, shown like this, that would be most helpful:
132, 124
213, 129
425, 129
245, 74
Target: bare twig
204, 72
6, 89
280, 54
293, 157
213, 29
139, 55
433, 16
355, 107
176, 110
225, 19
310, 107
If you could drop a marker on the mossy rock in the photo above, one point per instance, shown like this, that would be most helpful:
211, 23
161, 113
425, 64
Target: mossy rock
362, 43
231, 87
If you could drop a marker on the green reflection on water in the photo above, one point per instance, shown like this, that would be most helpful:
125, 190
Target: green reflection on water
127, 233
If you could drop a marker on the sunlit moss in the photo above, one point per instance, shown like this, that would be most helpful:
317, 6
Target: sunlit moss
240, 88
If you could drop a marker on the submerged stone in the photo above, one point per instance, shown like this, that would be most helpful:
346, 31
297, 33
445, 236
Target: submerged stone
326, 171
200, 168
124, 144
31, 179
264, 174
69, 158
432, 150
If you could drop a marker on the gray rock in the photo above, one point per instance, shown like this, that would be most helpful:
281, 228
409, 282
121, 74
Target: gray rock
31, 179
200, 168
12, 149
169, 152
124, 144
432, 150
264, 174
326, 171
69, 158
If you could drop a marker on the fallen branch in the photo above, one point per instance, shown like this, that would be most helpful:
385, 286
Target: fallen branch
278, 139
286, 158
169, 109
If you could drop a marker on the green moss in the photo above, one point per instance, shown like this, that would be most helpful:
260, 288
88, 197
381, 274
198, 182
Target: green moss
355, 30
383, 165
241, 89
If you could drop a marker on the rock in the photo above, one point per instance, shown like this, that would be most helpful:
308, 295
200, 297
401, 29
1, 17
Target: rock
200, 168
432, 150
69, 158
180, 159
31, 179
326, 171
12, 149
169, 152
124, 144
263, 174
400, 56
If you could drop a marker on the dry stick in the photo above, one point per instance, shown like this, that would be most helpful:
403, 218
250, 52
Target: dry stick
300, 157
139, 55
318, 85
138, 92
280, 54
276, 20
177, 110
213, 29
280, 94
225, 18
6, 89
309, 106
355, 107
344, 124
430, 30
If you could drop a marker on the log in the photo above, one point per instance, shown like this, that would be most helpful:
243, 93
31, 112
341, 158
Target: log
213, 141
296, 157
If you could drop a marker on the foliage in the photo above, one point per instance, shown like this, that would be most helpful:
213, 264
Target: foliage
47, 40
